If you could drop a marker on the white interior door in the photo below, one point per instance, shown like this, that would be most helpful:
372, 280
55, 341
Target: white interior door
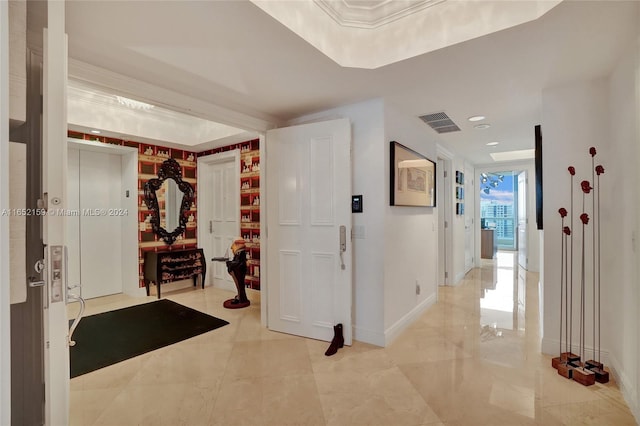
522, 219
94, 235
225, 221
308, 199
54, 181
219, 211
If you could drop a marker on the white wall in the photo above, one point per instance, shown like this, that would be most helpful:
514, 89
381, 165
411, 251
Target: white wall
393, 246
602, 114
368, 168
574, 118
620, 254
410, 234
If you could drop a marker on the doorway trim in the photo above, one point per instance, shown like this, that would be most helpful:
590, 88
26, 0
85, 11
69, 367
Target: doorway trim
533, 237
202, 196
445, 217
129, 231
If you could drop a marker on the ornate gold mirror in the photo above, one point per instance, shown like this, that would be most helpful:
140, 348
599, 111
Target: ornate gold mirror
169, 198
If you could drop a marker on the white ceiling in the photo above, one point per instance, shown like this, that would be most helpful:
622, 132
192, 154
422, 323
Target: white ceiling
234, 55
345, 30
91, 109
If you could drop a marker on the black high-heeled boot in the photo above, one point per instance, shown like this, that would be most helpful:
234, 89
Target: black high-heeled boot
337, 342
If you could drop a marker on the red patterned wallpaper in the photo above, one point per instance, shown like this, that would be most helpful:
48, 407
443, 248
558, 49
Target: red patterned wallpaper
149, 159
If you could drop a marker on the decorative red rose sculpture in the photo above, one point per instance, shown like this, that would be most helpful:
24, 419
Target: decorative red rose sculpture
599, 170
563, 212
566, 230
592, 151
584, 218
586, 188
572, 170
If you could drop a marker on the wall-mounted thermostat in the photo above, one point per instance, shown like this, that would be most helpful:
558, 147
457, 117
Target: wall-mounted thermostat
356, 204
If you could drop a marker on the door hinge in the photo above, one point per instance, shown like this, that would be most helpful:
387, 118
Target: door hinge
446, 224
445, 173
446, 274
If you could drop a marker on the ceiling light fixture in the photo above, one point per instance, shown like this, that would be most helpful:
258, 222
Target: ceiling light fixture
489, 181
133, 104
493, 143
482, 126
95, 132
476, 118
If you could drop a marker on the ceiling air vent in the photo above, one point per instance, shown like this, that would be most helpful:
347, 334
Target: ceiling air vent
440, 122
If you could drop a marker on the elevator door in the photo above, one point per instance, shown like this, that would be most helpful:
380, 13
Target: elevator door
94, 229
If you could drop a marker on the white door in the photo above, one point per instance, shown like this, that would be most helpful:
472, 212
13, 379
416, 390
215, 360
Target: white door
54, 179
522, 219
218, 197
308, 173
95, 189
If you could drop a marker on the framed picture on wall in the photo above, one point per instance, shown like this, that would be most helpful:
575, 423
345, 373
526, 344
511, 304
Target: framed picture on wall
413, 178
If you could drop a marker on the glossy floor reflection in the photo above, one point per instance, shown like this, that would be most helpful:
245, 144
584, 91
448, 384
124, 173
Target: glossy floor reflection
472, 359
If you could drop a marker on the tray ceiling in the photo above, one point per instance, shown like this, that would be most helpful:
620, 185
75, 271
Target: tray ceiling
345, 30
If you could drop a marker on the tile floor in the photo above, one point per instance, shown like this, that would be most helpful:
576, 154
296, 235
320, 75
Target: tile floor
472, 359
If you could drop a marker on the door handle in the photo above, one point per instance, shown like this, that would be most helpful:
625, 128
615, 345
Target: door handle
343, 245
33, 282
211, 227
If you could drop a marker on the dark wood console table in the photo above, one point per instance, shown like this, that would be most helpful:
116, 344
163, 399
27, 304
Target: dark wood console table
175, 265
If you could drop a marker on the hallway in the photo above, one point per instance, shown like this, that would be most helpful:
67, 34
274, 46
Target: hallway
472, 359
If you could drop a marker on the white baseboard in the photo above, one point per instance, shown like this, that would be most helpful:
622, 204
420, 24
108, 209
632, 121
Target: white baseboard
552, 346
137, 292
629, 392
368, 336
394, 331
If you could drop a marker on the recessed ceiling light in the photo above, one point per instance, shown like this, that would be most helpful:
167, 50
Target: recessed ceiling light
476, 118
493, 143
95, 132
482, 126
